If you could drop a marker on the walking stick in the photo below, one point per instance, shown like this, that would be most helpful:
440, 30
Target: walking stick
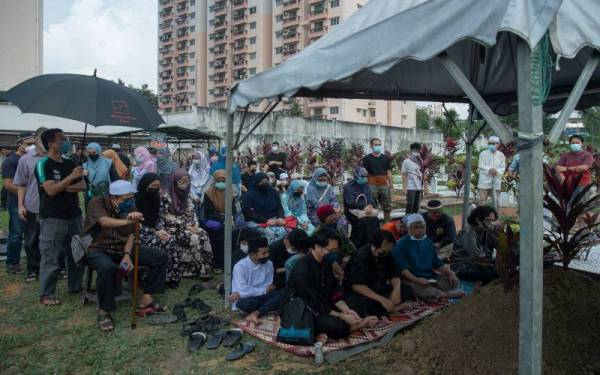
494, 200
136, 256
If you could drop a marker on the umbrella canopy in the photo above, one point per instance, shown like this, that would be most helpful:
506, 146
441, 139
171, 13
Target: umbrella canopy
388, 49
88, 99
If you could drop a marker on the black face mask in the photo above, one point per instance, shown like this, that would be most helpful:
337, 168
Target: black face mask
263, 260
94, 157
153, 191
297, 194
263, 186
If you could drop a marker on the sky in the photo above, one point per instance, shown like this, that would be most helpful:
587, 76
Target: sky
117, 37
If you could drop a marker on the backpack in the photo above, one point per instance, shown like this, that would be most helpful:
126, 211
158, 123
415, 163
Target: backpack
297, 323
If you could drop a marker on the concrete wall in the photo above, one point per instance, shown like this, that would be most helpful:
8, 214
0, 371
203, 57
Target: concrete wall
305, 131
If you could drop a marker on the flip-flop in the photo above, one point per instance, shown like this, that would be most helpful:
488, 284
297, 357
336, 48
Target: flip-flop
160, 319
179, 312
240, 350
232, 337
196, 340
105, 322
216, 340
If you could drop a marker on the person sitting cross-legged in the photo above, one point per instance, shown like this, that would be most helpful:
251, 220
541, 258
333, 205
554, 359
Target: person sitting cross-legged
440, 228
312, 279
111, 220
373, 286
282, 250
253, 291
422, 269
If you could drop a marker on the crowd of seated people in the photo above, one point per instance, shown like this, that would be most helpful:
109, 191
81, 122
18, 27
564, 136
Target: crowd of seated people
290, 236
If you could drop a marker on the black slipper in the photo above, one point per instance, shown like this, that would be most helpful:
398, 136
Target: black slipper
240, 350
196, 340
179, 312
215, 341
232, 337
197, 304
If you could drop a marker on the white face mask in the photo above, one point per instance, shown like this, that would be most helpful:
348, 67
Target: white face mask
418, 239
30, 148
244, 248
291, 250
197, 161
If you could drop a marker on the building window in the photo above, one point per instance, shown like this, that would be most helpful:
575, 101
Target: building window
192, 68
318, 112
193, 15
364, 113
335, 21
278, 50
358, 110
193, 28
192, 55
193, 2
252, 71
372, 112
252, 25
334, 110
404, 117
253, 40
192, 42
335, 3
253, 56
192, 81
252, 10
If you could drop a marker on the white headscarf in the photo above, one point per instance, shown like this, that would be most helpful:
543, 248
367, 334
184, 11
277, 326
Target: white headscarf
412, 219
198, 172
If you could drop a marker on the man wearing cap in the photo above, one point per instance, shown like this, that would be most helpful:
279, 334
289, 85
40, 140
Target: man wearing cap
124, 158
15, 225
29, 204
420, 266
492, 164
275, 160
59, 182
111, 221
440, 228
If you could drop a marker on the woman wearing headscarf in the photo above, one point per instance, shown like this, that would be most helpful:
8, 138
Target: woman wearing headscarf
145, 163
190, 253
263, 210
318, 193
236, 171
214, 217
359, 208
165, 166
199, 176
101, 172
147, 201
294, 204
121, 169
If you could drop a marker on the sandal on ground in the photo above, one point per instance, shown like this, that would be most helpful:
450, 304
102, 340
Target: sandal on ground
31, 277
216, 340
161, 319
232, 337
105, 322
205, 277
196, 340
197, 304
240, 350
50, 301
195, 289
179, 312
155, 306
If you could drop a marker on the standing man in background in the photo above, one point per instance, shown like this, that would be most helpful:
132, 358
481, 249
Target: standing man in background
576, 163
413, 179
379, 171
275, 160
492, 165
124, 158
29, 204
15, 224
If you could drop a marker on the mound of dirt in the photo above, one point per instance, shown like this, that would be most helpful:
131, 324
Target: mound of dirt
480, 335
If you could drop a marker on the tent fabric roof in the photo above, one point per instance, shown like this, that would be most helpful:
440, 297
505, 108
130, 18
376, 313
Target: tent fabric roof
386, 51
179, 132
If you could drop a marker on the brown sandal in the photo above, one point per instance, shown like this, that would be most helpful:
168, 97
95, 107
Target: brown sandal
105, 322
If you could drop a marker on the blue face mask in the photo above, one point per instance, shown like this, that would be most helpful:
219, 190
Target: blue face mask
575, 147
126, 206
492, 148
330, 258
362, 180
322, 184
220, 185
378, 149
65, 147
332, 226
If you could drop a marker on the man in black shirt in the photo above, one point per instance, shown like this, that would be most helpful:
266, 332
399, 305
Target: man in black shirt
275, 160
440, 228
379, 171
312, 279
248, 176
16, 226
373, 280
60, 181
282, 250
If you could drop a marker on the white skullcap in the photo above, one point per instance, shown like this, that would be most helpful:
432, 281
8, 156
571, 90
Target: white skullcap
283, 176
494, 139
116, 145
121, 187
414, 218
296, 176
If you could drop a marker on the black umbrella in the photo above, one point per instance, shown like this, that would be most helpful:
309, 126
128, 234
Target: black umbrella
88, 99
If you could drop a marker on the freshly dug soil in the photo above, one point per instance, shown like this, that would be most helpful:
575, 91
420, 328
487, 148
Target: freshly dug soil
480, 334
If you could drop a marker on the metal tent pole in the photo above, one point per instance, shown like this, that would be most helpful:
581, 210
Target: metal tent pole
531, 221
228, 208
468, 163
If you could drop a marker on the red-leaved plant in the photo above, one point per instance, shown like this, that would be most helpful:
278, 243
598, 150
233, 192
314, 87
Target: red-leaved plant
331, 155
294, 161
312, 159
456, 178
568, 236
430, 164
450, 149
246, 155
507, 258
354, 157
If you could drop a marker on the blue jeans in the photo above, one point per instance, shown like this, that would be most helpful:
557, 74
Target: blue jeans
14, 242
263, 304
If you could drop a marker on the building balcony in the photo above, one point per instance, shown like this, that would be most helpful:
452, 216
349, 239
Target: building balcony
317, 102
317, 31
317, 14
220, 10
219, 24
220, 68
291, 37
316, 2
290, 5
239, 32
166, 27
290, 20
239, 20
167, 15
164, 3
240, 36
181, 21
240, 48
240, 62
182, 75
219, 52
182, 9
237, 4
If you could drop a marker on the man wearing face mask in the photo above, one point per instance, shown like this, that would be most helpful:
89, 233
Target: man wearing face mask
313, 280
576, 163
280, 251
15, 225
59, 181
379, 176
111, 220
29, 203
421, 268
328, 218
373, 281
252, 288
248, 175
492, 164
275, 160
412, 178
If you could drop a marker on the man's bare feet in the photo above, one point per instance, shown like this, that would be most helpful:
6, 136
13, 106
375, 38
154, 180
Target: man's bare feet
456, 294
402, 307
253, 318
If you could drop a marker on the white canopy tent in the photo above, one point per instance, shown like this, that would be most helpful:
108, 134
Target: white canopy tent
501, 56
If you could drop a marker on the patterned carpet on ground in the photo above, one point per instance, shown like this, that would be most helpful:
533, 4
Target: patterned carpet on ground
267, 330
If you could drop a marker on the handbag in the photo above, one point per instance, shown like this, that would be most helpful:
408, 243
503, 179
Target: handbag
297, 323
79, 246
212, 225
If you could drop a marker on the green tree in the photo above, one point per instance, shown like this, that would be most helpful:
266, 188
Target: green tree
449, 124
423, 118
591, 120
143, 90
296, 108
